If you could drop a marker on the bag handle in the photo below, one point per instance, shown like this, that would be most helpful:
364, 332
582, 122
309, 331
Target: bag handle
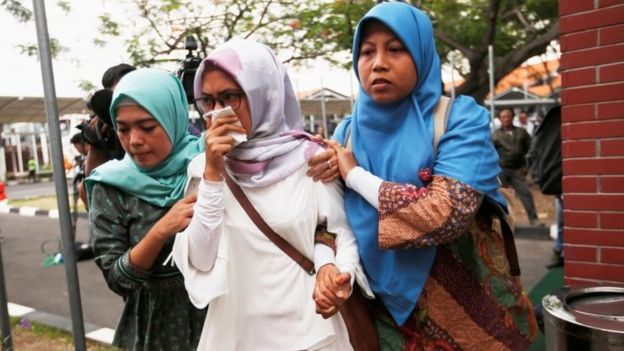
275, 238
507, 233
440, 120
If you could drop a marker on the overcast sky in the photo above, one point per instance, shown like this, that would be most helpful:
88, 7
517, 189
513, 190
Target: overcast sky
21, 75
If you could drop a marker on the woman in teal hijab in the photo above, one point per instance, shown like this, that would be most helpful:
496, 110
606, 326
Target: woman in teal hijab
426, 219
136, 207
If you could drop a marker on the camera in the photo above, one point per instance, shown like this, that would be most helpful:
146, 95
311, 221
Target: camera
99, 132
186, 73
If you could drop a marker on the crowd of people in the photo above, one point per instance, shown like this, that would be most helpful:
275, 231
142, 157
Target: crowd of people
531, 152
217, 244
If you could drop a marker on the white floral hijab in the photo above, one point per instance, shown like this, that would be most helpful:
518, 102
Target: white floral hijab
277, 145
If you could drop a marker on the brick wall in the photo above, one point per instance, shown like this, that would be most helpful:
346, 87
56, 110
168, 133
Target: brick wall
592, 70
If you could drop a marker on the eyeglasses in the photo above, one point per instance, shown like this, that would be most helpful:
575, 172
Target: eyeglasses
230, 98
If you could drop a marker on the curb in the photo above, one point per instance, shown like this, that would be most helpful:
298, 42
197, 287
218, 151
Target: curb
92, 332
33, 211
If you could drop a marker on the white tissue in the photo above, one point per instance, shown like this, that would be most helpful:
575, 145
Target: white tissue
227, 111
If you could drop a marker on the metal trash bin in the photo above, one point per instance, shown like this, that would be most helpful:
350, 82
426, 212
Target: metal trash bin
585, 319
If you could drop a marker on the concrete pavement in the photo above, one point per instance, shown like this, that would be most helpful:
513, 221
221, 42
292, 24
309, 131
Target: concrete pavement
40, 293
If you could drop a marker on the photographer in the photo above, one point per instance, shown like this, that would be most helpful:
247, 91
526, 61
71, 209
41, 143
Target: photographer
98, 132
78, 142
186, 74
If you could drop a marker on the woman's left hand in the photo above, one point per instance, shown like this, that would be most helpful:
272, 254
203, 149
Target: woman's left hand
346, 160
332, 290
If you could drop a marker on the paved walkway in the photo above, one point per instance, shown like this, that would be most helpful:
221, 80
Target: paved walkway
533, 245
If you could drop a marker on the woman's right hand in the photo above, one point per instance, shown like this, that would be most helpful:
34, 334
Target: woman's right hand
218, 144
346, 160
177, 218
331, 291
144, 254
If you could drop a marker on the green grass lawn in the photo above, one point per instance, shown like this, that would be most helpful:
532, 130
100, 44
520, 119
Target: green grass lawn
43, 203
32, 336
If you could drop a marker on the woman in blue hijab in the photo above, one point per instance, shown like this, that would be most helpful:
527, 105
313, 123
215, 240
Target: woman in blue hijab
136, 206
425, 220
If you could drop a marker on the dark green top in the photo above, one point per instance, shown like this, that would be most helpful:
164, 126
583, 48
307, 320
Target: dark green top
158, 314
512, 147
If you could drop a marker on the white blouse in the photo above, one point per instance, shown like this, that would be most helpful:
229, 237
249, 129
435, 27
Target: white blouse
260, 299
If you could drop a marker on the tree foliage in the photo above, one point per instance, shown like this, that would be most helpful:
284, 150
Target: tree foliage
19, 11
302, 30
24, 14
517, 30
31, 49
297, 30
154, 31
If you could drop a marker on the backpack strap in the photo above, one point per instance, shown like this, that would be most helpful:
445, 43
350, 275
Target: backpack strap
440, 120
347, 142
507, 232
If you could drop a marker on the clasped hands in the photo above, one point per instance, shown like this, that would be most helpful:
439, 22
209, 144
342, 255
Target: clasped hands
332, 290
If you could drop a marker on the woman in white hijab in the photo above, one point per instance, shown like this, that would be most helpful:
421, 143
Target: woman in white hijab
260, 298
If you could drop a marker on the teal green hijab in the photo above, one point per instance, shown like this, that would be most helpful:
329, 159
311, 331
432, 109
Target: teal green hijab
161, 94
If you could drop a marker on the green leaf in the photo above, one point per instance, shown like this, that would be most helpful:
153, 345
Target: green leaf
15, 8
64, 5
86, 86
31, 49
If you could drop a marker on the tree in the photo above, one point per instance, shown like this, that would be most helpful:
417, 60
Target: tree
297, 30
300, 31
24, 14
18, 10
517, 29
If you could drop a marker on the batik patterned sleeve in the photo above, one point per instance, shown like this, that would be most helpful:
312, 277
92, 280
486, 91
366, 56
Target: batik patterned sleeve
110, 240
411, 216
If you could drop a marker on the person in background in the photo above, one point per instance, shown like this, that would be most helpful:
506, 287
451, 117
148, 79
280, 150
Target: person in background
98, 132
79, 144
136, 206
427, 224
512, 144
82, 148
524, 122
113, 75
32, 170
544, 159
557, 257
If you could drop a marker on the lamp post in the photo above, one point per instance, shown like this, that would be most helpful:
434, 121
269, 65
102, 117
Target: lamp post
71, 271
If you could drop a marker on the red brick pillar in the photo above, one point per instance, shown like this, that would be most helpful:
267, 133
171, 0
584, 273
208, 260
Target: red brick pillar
592, 69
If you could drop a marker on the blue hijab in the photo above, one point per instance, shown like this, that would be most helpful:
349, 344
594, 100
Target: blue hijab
161, 94
394, 141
